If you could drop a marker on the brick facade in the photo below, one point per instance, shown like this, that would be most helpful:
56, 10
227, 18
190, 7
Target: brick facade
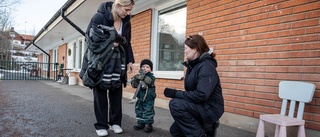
258, 43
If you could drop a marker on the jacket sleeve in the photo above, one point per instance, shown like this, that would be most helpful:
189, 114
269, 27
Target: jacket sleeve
128, 47
96, 20
149, 79
207, 79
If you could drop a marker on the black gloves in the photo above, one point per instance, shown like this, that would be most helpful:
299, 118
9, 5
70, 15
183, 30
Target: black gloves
121, 40
170, 93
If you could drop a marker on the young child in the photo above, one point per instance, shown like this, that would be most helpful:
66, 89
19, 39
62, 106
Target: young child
144, 107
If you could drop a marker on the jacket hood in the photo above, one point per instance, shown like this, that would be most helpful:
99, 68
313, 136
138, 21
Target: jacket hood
207, 56
105, 9
203, 57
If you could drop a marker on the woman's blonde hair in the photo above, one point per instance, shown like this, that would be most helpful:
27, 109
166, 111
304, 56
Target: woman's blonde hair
123, 3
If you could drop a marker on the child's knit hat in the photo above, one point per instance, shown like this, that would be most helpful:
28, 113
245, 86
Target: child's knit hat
148, 62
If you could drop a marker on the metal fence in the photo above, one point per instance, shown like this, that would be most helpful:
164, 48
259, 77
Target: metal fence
12, 70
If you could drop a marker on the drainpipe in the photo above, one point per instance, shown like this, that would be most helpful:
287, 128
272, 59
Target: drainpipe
63, 9
48, 75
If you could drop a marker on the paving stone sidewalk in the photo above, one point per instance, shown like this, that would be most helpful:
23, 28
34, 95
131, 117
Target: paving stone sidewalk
49, 109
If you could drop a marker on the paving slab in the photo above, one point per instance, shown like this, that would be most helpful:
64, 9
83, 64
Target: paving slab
49, 109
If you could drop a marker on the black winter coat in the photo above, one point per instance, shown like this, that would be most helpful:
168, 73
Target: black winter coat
104, 17
202, 84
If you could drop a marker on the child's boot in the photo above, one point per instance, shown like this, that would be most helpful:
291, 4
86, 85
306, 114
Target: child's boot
148, 128
138, 126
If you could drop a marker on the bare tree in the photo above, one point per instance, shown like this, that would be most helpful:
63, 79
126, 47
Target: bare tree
8, 3
4, 45
6, 20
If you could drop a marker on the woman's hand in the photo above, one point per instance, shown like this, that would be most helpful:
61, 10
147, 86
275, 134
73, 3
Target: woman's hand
129, 68
115, 44
170, 93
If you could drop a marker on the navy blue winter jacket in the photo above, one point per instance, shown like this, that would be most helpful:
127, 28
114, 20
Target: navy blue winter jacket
202, 84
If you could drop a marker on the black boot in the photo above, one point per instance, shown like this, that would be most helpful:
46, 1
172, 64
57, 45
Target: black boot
148, 128
138, 126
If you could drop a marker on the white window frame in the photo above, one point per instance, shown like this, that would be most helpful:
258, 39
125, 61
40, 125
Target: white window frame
74, 54
155, 42
45, 61
80, 52
77, 55
55, 55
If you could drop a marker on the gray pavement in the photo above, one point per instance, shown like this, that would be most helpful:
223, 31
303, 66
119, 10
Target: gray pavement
47, 108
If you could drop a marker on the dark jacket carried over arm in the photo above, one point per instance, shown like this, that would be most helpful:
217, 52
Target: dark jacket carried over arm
104, 17
105, 62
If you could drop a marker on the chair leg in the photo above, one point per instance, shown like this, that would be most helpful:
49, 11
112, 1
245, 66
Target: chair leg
283, 131
301, 131
276, 133
260, 132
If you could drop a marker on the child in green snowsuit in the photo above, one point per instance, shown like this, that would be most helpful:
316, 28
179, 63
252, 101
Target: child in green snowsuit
144, 107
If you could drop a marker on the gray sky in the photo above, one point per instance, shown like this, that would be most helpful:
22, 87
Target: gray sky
31, 15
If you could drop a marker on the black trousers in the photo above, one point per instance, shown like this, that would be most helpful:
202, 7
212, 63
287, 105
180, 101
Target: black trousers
191, 119
107, 107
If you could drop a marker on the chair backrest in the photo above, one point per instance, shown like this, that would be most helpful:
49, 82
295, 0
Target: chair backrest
295, 91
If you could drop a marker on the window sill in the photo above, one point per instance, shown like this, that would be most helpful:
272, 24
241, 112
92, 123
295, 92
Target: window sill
76, 70
177, 75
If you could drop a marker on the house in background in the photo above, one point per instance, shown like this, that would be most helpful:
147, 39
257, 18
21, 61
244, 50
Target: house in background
26, 39
258, 44
17, 47
19, 53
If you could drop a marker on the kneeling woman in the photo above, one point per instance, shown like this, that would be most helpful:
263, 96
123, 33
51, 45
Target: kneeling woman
197, 110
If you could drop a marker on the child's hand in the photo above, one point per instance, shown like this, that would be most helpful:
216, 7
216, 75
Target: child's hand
139, 76
147, 80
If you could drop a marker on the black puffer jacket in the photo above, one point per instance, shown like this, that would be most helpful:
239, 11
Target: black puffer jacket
202, 84
104, 17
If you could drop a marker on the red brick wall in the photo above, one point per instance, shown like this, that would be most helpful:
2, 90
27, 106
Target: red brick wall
62, 52
141, 35
258, 44
141, 46
140, 40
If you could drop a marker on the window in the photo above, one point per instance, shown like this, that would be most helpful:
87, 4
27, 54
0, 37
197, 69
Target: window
74, 50
45, 61
77, 50
168, 42
55, 57
171, 35
80, 54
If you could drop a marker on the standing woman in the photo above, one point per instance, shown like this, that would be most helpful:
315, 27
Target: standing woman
113, 14
196, 110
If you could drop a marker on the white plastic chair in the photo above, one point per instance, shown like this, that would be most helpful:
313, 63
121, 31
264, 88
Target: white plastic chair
294, 91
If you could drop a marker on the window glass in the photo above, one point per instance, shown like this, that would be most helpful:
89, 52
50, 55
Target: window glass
80, 54
74, 54
45, 61
171, 36
55, 57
